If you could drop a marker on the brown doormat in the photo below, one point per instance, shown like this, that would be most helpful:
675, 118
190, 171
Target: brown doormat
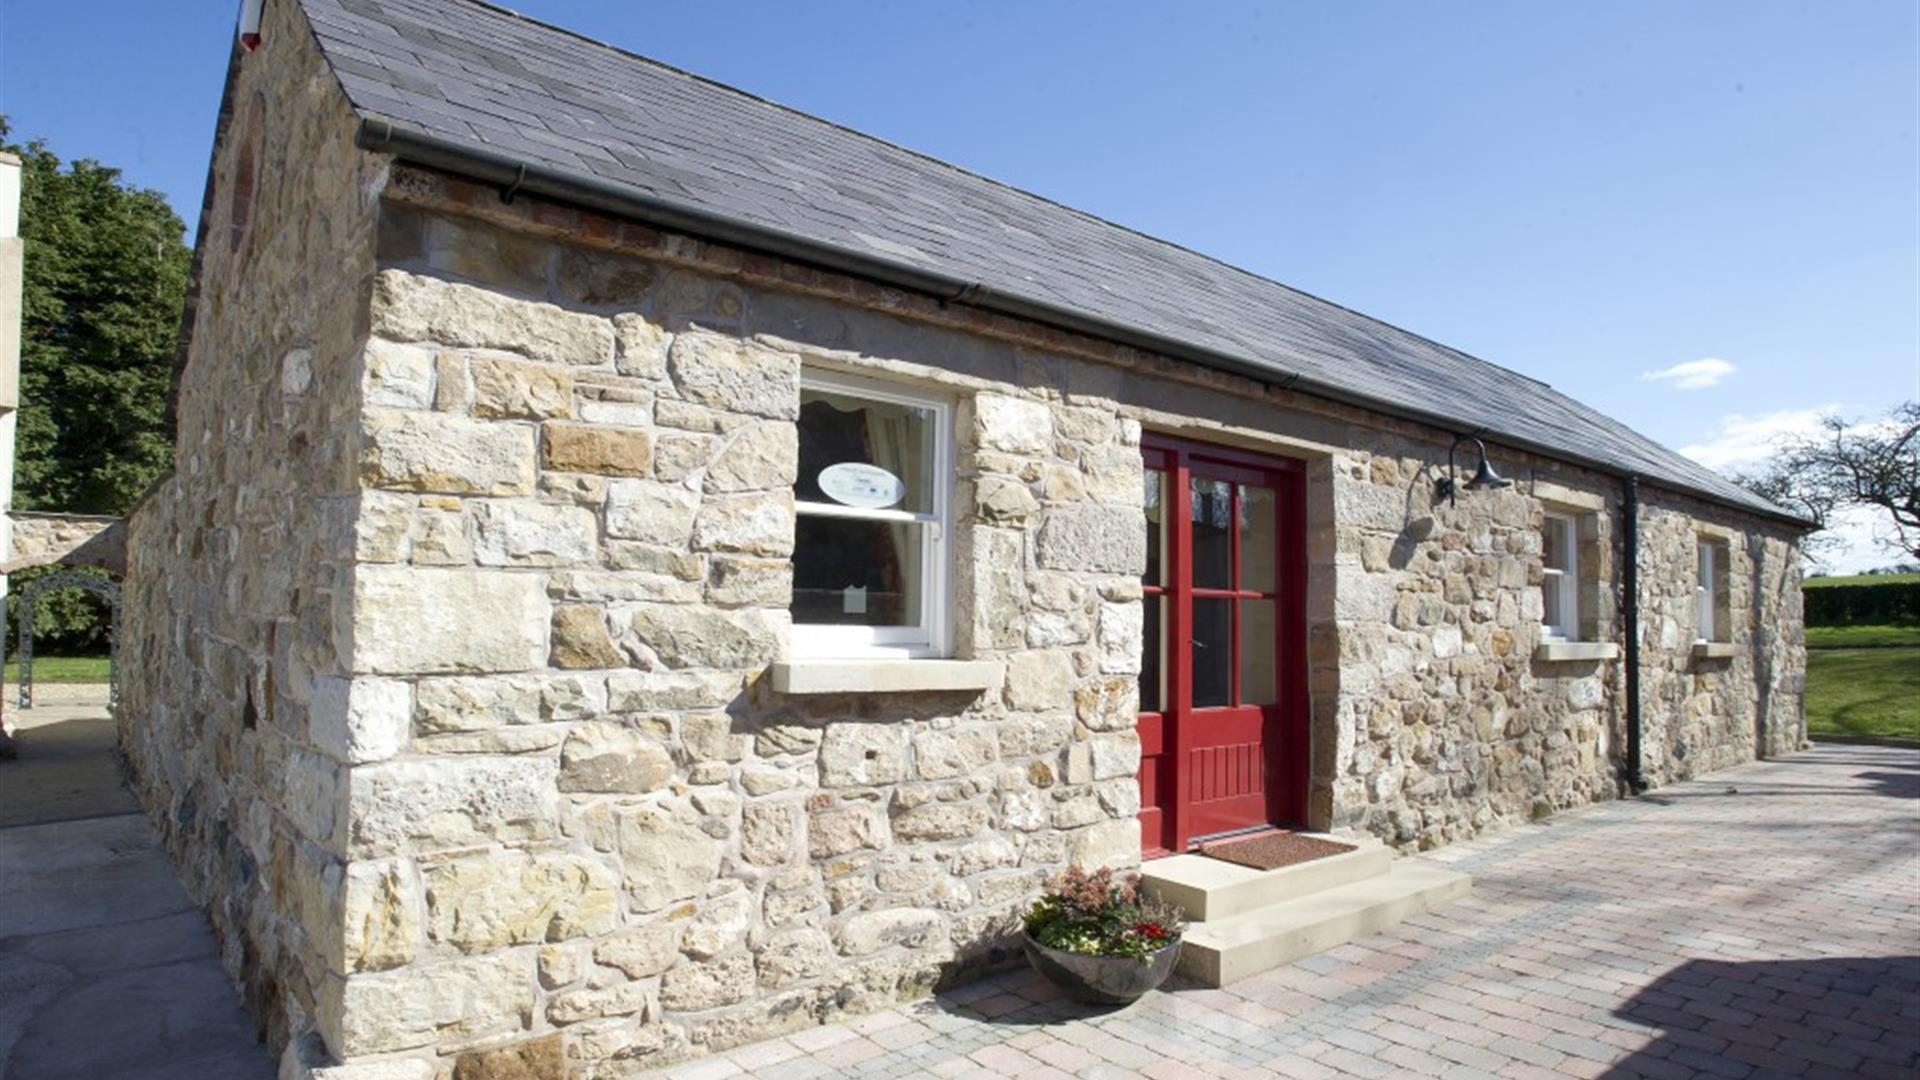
1273, 850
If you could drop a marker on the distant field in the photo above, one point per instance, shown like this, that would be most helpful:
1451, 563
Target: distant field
63, 669
1862, 637
1858, 579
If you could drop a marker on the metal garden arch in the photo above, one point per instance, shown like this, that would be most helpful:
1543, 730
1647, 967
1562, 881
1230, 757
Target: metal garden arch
30, 603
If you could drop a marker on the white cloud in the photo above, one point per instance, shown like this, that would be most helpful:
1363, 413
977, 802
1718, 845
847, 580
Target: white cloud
1693, 374
1742, 443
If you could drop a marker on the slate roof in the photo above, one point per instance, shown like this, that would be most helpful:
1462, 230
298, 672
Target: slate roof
469, 78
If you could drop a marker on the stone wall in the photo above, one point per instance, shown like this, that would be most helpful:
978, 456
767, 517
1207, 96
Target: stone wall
37, 539
240, 561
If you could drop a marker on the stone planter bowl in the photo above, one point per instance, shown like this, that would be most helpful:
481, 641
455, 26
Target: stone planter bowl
1102, 980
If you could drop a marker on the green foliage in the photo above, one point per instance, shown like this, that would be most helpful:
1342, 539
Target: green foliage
66, 622
1863, 637
1864, 692
105, 279
1887, 601
1097, 915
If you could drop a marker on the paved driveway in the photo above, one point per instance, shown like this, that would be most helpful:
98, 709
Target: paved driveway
1762, 923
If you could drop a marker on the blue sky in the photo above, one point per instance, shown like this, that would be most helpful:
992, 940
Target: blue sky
1585, 193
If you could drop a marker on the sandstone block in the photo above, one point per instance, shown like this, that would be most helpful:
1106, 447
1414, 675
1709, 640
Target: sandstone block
872, 931
613, 758
757, 457
649, 691
1012, 425
506, 388
513, 898
651, 513
1000, 500
1105, 539
620, 999
664, 859
768, 832
747, 582
380, 902
533, 534
726, 373
640, 346
722, 924
410, 620
1121, 638
794, 956
1110, 843
1040, 680
963, 751
938, 820
749, 524
593, 448
711, 737
440, 803
642, 952
360, 720
843, 829
409, 307
529, 1059
863, 754
480, 703
427, 1003
397, 376
580, 639
424, 451
709, 985
698, 637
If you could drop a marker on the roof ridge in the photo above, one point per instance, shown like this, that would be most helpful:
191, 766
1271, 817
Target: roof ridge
983, 177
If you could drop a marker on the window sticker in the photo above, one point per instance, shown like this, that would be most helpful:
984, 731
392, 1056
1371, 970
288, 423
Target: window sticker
855, 483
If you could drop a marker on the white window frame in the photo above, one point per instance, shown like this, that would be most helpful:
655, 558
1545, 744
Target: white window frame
1563, 583
823, 641
1705, 590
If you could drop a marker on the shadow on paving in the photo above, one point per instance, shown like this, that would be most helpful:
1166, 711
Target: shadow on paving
1832, 1016
106, 968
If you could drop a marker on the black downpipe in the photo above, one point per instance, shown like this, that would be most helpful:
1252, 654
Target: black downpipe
1630, 585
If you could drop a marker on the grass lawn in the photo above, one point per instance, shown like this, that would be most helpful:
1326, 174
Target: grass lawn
1863, 691
1861, 637
63, 669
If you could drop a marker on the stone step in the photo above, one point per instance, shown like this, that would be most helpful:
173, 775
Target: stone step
1223, 951
1212, 889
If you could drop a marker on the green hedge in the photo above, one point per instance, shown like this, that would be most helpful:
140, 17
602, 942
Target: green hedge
1880, 603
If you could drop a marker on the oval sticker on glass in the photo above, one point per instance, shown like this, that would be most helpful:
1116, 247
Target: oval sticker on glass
855, 483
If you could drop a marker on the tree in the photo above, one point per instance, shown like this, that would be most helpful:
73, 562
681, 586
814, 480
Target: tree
1874, 465
105, 278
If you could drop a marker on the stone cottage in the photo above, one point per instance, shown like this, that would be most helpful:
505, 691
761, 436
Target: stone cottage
647, 569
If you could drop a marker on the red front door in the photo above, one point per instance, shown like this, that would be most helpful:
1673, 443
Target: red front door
1223, 686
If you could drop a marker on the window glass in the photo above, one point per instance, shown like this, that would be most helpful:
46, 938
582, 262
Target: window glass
1212, 652
1212, 545
1259, 539
854, 572
864, 453
1156, 484
1259, 652
1151, 668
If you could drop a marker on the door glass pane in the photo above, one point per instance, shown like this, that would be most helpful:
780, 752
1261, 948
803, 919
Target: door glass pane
1212, 546
1259, 544
1259, 652
1156, 483
1152, 670
864, 453
860, 573
1212, 652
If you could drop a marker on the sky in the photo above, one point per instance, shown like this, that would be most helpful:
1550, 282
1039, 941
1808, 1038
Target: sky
1702, 218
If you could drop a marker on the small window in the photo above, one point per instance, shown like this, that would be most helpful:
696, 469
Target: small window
870, 531
1560, 583
1710, 591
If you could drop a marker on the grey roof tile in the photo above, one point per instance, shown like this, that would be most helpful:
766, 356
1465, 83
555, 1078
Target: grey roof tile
486, 78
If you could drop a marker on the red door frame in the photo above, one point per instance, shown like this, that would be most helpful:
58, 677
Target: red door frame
1167, 818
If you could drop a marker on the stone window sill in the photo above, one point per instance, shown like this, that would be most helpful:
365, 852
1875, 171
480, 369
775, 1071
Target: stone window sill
883, 676
1714, 650
1568, 651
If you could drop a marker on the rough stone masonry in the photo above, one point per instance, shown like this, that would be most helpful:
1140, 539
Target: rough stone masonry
448, 637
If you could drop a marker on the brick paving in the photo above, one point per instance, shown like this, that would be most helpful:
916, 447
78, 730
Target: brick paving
1764, 922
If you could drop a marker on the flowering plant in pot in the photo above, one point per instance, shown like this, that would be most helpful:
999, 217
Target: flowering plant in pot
1096, 937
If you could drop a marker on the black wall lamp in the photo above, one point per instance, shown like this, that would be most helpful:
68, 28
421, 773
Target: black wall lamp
1483, 479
